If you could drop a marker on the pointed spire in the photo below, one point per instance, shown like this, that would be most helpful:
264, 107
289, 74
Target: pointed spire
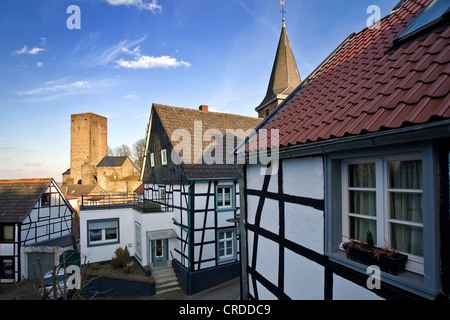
284, 77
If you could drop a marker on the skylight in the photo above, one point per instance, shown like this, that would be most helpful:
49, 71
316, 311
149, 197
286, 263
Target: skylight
430, 15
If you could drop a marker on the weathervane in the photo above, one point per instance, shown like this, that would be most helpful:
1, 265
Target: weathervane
282, 9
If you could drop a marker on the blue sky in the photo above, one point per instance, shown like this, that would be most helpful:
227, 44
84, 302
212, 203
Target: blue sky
129, 54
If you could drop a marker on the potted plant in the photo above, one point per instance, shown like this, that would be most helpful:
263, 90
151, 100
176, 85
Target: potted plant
389, 260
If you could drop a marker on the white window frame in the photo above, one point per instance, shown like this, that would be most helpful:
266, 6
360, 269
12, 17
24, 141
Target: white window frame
102, 240
415, 263
152, 160
164, 157
223, 206
226, 241
138, 240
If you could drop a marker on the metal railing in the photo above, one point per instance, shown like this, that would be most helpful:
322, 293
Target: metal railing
123, 200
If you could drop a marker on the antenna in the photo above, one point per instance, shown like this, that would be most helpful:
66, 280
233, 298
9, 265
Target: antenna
282, 9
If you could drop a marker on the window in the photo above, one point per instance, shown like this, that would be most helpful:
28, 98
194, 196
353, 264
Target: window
137, 238
102, 232
430, 16
225, 197
45, 200
7, 233
394, 192
7, 268
152, 160
162, 194
163, 157
384, 196
226, 245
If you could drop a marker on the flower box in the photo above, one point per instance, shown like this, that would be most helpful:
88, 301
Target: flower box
393, 263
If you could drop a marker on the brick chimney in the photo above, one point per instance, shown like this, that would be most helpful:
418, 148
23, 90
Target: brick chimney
203, 108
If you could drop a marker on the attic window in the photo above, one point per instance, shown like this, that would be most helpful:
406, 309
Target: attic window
163, 157
45, 200
436, 13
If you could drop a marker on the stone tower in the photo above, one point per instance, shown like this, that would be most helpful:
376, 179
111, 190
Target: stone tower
88, 146
284, 77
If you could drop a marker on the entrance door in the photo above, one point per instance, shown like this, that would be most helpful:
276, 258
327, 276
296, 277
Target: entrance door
159, 252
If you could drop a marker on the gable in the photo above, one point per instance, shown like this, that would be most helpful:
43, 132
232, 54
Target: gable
158, 140
18, 197
190, 130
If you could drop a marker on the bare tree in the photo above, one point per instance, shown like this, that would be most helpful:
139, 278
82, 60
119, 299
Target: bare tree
138, 154
123, 150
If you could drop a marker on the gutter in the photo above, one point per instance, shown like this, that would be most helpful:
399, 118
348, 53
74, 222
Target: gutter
429, 131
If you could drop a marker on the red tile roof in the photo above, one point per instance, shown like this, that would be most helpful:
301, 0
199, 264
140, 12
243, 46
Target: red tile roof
32, 180
367, 89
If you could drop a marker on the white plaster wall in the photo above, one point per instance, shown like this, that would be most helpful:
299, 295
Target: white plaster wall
304, 177
347, 290
303, 278
154, 222
304, 225
270, 216
106, 252
267, 260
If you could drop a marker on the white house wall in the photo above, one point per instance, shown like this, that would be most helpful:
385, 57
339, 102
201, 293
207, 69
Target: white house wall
47, 222
285, 225
105, 252
152, 222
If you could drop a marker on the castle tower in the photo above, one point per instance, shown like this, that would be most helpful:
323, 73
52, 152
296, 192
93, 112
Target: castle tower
88, 146
284, 77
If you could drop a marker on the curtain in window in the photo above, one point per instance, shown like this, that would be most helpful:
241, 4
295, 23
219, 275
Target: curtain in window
362, 200
405, 202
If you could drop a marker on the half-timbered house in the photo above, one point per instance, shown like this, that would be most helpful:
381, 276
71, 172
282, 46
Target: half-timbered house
364, 145
35, 222
187, 168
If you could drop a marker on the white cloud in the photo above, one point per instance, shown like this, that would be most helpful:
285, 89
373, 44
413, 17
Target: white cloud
25, 50
35, 164
152, 6
40, 64
130, 97
150, 62
51, 87
111, 53
52, 90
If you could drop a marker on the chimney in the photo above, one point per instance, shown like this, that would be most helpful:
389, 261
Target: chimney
203, 108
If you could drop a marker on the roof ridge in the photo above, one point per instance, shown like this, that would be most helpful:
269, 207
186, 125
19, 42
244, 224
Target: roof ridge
157, 106
26, 180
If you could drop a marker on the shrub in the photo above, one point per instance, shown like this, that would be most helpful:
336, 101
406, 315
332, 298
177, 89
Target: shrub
121, 259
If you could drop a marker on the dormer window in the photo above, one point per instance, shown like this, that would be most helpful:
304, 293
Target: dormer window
437, 12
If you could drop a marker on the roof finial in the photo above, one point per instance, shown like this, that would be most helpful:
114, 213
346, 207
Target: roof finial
282, 10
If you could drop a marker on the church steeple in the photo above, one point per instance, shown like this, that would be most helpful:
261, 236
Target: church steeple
284, 77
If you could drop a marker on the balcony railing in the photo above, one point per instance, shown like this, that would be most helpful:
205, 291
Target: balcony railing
116, 201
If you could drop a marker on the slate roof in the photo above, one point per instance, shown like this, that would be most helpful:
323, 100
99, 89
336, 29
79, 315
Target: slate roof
18, 197
369, 85
285, 76
173, 118
77, 190
109, 161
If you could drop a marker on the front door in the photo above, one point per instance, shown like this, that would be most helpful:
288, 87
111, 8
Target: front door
159, 252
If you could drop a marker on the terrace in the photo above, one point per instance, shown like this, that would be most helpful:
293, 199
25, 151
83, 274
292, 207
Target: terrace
124, 200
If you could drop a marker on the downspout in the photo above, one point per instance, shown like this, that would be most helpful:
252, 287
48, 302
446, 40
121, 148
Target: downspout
243, 236
191, 183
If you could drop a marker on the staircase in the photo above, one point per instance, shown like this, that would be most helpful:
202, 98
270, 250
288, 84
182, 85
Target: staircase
166, 280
